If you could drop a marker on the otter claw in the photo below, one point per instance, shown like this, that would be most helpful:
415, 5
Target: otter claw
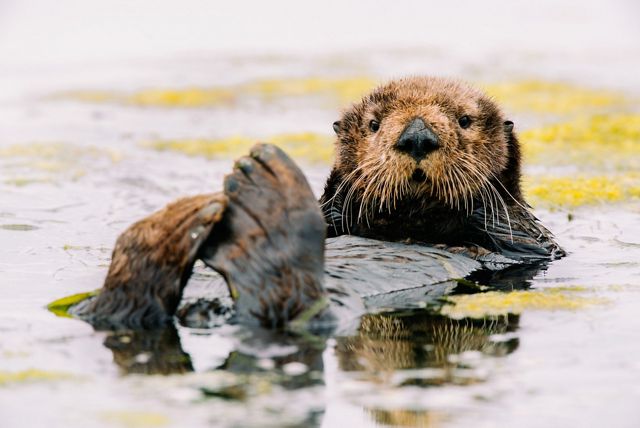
245, 165
262, 152
210, 210
230, 185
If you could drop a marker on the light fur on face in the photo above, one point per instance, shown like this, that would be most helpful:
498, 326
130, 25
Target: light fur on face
462, 170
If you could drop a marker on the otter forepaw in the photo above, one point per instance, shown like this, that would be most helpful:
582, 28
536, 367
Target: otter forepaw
270, 245
167, 240
151, 263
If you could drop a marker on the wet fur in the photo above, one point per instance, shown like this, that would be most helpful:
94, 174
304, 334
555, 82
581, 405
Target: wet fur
151, 264
471, 183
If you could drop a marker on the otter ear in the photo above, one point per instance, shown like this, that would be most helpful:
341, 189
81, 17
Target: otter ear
508, 126
336, 126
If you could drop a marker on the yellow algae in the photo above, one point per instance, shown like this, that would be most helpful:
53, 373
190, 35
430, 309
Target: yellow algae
40, 150
570, 288
135, 419
69, 247
189, 97
18, 227
32, 375
341, 89
91, 96
210, 148
155, 97
344, 90
60, 307
601, 139
46, 153
305, 145
494, 303
15, 354
32, 163
619, 130
25, 181
579, 191
552, 97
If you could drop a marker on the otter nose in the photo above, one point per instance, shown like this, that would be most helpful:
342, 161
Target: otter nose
417, 140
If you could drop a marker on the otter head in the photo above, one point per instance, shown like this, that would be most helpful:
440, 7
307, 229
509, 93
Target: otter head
430, 141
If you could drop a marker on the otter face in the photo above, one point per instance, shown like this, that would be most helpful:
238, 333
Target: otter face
425, 139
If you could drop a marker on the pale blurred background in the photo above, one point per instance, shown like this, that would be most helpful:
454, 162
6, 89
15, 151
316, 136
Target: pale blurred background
77, 31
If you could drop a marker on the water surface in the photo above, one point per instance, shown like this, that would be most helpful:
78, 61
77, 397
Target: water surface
81, 161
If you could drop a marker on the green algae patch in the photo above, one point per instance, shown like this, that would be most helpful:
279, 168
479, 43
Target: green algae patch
495, 303
572, 192
305, 145
599, 140
553, 97
135, 419
32, 375
61, 306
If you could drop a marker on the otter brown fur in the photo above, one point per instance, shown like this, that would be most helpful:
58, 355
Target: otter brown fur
377, 190
461, 188
424, 160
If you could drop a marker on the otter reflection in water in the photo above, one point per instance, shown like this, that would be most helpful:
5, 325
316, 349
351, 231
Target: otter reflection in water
427, 175
149, 351
384, 344
387, 343
388, 349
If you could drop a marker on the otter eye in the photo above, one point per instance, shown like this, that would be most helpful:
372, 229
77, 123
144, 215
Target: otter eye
374, 125
464, 121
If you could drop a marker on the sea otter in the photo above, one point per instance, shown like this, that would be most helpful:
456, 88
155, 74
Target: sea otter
425, 189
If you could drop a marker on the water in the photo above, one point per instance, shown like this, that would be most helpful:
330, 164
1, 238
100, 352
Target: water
74, 174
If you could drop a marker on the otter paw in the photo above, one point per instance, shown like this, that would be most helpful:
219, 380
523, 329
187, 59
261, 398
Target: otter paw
271, 247
151, 263
167, 240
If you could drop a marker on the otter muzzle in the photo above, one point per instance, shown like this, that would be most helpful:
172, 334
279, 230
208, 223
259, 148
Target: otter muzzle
417, 140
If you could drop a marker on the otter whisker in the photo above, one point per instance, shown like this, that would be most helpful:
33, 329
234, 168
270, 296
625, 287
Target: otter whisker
504, 207
346, 181
450, 191
369, 193
364, 202
526, 208
350, 196
468, 193
486, 193
355, 186
461, 184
